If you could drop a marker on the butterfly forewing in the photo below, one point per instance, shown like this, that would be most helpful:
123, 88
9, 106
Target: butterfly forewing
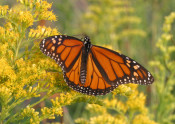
119, 69
65, 50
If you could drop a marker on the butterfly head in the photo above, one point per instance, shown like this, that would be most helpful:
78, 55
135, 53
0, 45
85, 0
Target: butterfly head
87, 42
86, 39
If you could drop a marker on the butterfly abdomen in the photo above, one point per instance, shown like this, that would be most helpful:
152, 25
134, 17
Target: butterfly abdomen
84, 59
83, 69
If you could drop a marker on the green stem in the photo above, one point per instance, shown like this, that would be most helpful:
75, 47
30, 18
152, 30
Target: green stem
131, 114
19, 44
13, 105
42, 99
12, 118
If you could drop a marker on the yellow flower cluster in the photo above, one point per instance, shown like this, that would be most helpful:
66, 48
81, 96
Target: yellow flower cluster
126, 89
107, 119
39, 4
132, 32
81, 121
142, 119
164, 65
46, 15
64, 99
5, 95
164, 43
129, 19
9, 34
3, 10
22, 74
58, 102
51, 112
41, 9
136, 102
21, 17
123, 111
2, 31
6, 71
42, 31
168, 21
102, 119
26, 18
167, 36
30, 112
115, 104
29, 3
96, 109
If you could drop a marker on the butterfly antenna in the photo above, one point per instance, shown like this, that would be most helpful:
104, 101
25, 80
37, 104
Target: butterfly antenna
82, 36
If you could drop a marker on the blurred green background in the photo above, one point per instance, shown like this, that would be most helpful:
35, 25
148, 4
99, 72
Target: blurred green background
132, 27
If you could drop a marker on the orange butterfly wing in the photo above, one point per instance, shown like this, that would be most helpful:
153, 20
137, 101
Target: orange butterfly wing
65, 50
95, 83
119, 69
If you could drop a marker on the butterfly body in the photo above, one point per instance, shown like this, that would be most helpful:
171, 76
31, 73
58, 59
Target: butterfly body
84, 59
92, 69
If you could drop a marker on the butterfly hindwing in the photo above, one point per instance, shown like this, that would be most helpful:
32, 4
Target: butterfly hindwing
95, 83
95, 80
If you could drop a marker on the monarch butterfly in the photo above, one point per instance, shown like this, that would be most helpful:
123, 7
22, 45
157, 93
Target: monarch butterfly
91, 69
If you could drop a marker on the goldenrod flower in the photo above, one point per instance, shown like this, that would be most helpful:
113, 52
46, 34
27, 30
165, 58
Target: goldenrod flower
142, 119
5, 95
116, 105
6, 71
30, 112
97, 109
3, 10
107, 119
47, 15
24, 18
136, 102
122, 89
42, 32
81, 121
